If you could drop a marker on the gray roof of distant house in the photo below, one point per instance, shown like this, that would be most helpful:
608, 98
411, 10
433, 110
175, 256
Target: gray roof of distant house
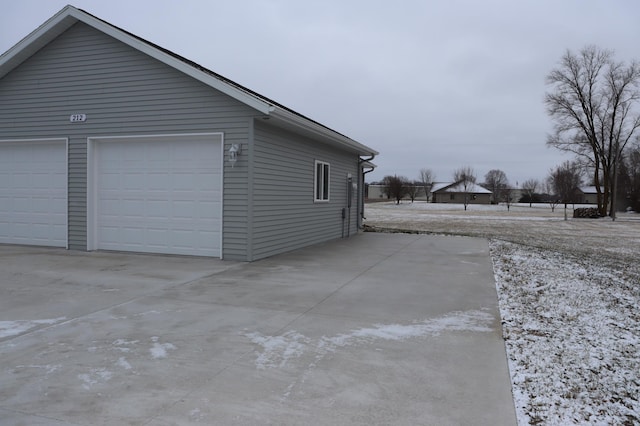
459, 187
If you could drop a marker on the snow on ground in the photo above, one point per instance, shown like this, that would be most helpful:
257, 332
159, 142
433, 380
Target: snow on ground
276, 351
569, 296
94, 377
13, 328
159, 350
572, 337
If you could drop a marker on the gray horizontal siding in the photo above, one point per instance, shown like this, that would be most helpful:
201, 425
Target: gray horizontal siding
285, 215
123, 92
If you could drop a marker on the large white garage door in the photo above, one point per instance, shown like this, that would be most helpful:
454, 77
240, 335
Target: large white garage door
159, 194
33, 192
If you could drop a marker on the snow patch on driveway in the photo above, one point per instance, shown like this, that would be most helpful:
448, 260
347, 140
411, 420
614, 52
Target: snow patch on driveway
122, 362
476, 321
95, 377
13, 328
277, 351
159, 350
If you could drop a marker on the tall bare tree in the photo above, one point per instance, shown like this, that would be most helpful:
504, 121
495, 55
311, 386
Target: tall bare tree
529, 187
466, 178
496, 181
426, 179
594, 104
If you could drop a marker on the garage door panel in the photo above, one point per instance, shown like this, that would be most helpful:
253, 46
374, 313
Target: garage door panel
45, 181
109, 181
155, 241
158, 181
182, 210
134, 208
160, 195
33, 192
132, 181
44, 205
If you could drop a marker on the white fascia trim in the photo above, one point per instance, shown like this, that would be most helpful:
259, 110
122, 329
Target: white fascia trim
317, 129
37, 39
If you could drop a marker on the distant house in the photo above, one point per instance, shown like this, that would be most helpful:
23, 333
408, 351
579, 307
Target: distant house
587, 194
375, 192
378, 192
111, 142
454, 192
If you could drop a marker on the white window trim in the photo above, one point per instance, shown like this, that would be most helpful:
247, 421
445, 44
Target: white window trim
327, 190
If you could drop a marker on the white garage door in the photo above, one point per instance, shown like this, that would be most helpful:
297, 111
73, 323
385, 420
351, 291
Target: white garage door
159, 194
33, 192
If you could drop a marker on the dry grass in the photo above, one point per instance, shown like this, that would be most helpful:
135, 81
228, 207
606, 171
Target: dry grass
602, 239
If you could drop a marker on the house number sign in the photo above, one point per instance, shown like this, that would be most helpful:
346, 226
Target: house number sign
77, 117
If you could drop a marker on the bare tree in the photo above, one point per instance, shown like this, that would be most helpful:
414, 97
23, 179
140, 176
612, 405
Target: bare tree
396, 187
633, 170
496, 181
564, 180
466, 178
412, 189
507, 197
550, 195
426, 179
385, 187
594, 104
529, 187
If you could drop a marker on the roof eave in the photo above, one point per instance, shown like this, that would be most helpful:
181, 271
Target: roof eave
37, 39
316, 130
368, 165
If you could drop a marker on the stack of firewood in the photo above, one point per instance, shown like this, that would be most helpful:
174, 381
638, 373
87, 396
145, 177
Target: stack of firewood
586, 212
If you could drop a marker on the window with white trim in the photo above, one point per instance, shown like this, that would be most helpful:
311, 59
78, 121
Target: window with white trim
322, 172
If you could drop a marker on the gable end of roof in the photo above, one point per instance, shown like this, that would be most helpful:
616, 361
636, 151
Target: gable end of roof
70, 15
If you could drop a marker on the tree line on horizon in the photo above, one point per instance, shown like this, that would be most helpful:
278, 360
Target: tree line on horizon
553, 189
594, 103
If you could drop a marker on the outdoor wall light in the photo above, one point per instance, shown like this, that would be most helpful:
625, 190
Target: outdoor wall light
234, 152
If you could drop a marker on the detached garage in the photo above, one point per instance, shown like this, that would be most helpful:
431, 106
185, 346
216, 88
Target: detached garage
110, 142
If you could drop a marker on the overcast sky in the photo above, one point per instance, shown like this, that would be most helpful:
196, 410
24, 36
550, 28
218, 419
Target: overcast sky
428, 84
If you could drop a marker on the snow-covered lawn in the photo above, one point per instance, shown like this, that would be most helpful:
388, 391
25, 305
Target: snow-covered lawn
569, 296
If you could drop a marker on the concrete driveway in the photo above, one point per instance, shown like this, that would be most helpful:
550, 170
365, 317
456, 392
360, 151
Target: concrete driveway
376, 329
